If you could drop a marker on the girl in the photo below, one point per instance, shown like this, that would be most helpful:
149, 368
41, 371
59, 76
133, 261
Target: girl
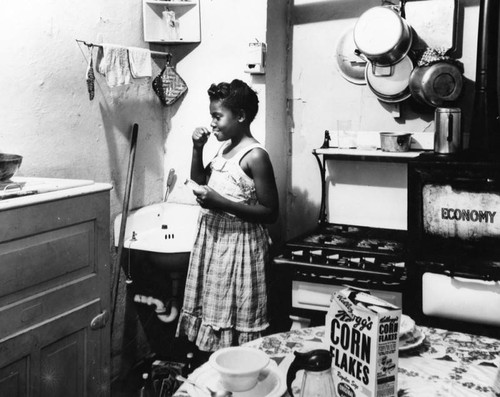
225, 299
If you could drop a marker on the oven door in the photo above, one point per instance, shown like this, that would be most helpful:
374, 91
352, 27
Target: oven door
454, 209
456, 296
312, 291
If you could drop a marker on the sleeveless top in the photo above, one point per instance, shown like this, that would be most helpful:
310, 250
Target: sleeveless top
228, 178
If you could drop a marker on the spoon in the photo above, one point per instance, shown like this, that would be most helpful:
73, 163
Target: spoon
213, 393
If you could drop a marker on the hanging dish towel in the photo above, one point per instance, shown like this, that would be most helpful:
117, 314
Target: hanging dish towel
140, 62
169, 86
113, 63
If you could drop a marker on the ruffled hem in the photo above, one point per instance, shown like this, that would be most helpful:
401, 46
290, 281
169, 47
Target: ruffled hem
209, 338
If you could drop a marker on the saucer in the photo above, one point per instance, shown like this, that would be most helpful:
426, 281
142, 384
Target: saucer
269, 384
416, 339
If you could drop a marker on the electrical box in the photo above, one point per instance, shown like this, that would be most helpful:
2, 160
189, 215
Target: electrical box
256, 58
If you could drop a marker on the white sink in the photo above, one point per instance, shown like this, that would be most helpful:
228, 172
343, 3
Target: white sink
160, 228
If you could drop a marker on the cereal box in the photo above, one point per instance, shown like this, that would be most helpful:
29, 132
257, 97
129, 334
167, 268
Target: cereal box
361, 333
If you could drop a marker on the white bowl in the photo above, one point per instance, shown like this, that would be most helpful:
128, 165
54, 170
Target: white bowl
239, 366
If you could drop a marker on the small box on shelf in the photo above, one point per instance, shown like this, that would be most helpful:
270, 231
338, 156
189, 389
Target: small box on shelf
171, 22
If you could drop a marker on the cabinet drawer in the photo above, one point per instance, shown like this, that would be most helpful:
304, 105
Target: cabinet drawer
52, 215
46, 245
38, 259
40, 307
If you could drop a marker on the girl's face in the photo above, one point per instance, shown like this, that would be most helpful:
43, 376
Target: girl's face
225, 124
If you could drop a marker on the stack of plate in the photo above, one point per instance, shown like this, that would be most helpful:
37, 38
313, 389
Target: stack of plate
410, 336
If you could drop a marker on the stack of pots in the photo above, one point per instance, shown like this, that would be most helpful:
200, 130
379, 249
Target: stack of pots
385, 38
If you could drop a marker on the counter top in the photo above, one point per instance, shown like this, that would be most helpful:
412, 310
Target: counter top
22, 191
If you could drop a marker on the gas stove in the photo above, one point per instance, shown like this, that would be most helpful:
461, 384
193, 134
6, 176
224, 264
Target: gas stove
333, 255
346, 249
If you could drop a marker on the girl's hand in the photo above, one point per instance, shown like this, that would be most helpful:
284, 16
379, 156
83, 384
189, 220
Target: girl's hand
200, 136
206, 197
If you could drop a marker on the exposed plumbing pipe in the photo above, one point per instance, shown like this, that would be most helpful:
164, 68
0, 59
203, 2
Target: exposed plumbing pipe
174, 312
160, 308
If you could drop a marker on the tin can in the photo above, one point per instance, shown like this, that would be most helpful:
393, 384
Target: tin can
448, 136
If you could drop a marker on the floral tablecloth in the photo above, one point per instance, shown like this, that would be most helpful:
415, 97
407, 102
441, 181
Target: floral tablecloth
446, 364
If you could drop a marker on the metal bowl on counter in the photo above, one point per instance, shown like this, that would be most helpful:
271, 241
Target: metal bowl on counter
9, 164
395, 141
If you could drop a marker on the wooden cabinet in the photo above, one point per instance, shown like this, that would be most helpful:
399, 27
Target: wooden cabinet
54, 297
159, 27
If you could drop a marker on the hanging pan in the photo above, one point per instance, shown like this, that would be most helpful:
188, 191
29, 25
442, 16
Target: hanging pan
349, 62
436, 85
391, 83
383, 36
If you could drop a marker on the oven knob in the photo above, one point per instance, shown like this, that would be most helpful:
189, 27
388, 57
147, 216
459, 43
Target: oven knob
332, 259
296, 254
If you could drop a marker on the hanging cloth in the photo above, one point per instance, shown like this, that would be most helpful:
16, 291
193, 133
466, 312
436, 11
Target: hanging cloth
140, 62
168, 85
113, 63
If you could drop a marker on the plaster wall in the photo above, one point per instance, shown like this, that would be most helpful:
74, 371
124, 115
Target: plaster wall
47, 116
357, 193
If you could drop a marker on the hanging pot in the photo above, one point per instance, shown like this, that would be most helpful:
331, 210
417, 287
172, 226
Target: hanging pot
436, 85
383, 36
390, 83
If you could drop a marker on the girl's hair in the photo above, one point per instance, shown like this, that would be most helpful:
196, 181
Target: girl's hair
236, 96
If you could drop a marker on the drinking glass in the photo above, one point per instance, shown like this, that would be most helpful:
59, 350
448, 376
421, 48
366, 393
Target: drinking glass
346, 136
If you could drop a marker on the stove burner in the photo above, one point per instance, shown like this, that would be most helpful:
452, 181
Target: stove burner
353, 238
365, 255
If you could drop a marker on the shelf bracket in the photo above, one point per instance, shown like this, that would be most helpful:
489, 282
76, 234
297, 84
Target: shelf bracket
322, 169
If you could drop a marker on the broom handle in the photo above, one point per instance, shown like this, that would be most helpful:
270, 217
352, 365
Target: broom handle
126, 199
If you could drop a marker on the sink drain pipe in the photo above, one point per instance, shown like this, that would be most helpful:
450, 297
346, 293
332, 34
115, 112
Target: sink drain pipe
160, 308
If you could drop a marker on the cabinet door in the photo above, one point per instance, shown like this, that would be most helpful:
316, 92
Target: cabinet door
60, 357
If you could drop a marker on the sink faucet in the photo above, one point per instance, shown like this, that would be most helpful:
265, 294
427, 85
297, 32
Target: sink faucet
170, 181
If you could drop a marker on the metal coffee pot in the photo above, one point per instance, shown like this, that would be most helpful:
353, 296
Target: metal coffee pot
317, 380
448, 136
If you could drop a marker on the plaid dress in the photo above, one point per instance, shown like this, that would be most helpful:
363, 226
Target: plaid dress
225, 298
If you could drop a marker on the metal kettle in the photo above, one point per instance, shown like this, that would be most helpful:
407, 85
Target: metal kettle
317, 380
448, 137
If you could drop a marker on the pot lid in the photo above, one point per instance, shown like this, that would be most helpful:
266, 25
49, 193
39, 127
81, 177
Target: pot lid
350, 65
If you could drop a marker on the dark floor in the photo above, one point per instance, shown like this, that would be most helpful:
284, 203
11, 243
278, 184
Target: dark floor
129, 384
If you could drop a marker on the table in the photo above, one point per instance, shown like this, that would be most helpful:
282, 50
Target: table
450, 364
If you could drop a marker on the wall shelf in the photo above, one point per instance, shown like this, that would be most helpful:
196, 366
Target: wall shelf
156, 28
367, 155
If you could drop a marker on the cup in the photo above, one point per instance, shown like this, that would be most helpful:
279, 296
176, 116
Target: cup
347, 138
239, 366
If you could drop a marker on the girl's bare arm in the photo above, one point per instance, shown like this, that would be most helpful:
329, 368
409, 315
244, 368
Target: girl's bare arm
198, 173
